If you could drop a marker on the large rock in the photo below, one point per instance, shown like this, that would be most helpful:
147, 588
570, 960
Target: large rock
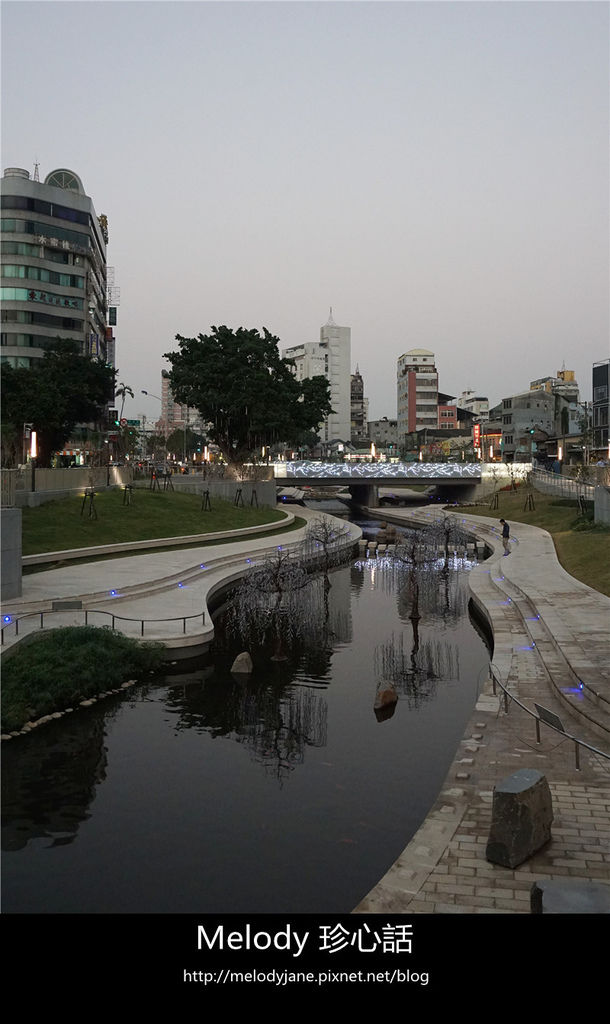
522, 813
385, 701
242, 663
559, 896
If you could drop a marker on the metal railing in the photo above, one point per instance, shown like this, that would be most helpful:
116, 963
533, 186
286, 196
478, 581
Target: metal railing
577, 743
9, 621
566, 487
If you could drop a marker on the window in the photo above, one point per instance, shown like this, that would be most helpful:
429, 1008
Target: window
46, 208
42, 274
36, 295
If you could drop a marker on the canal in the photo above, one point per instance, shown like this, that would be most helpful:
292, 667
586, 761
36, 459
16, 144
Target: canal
278, 792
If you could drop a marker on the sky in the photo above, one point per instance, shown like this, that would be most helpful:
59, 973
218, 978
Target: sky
438, 173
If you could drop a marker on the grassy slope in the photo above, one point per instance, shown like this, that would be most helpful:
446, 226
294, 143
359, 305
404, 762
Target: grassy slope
585, 554
58, 525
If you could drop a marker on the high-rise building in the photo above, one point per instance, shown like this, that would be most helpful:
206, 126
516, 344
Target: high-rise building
329, 357
173, 415
359, 411
417, 388
53, 266
601, 407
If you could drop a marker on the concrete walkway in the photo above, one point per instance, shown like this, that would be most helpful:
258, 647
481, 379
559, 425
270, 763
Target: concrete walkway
550, 635
167, 590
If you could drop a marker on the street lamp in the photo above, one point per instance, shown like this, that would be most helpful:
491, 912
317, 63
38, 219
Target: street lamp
150, 395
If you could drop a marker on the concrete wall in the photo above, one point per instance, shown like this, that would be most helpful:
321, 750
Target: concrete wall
11, 553
266, 490
50, 484
602, 505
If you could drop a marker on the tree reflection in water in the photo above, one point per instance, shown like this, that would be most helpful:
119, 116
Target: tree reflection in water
422, 572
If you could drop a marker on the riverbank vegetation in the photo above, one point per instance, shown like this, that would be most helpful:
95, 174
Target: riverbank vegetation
58, 525
57, 670
581, 544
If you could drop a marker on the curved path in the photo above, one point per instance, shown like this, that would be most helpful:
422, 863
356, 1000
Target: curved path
550, 634
169, 589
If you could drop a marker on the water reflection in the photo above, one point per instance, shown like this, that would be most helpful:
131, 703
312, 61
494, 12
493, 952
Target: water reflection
273, 721
227, 795
49, 781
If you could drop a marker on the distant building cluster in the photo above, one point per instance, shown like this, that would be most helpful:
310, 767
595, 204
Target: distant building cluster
546, 422
55, 283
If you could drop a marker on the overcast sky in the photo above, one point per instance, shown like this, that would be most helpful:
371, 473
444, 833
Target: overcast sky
437, 172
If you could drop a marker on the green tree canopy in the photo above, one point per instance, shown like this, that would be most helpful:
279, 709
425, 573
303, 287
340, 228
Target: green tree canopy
245, 391
176, 442
54, 394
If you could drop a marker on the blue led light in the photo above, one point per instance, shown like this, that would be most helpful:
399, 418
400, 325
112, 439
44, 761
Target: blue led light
181, 584
202, 566
248, 560
113, 593
6, 618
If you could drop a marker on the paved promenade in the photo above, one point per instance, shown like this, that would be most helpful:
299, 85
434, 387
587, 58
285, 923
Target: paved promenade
550, 632
551, 646
168, 590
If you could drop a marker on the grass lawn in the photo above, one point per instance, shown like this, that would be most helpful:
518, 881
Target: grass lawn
58, 525
582, 548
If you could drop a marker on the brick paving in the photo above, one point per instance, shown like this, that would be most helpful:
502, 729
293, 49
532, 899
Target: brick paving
444, 870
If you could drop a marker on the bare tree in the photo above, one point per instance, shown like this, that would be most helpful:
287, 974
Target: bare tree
266, 604
327, 544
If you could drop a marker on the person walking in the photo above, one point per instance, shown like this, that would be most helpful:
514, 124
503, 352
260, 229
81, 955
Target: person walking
505, 535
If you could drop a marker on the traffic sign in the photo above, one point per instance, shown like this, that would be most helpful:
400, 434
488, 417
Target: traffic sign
123, 422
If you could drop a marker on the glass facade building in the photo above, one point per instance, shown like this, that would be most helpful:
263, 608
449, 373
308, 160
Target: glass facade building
53, 275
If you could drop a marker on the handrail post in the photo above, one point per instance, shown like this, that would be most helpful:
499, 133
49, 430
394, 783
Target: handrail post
537, 730
577, 753
505, 702
113, 621
42, 620
184, 625
16, 627
86, 616
142, 627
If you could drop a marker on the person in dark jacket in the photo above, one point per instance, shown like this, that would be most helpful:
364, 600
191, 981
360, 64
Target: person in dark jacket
505, 535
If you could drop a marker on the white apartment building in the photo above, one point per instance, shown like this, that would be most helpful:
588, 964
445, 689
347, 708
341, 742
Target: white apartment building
417, 392
477, 404
329, 357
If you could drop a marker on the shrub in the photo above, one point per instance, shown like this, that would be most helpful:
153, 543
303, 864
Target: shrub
64, 666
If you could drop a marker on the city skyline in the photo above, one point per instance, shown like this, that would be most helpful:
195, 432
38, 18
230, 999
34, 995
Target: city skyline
437, 173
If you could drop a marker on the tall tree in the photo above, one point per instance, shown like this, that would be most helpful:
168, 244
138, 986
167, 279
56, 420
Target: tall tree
245, 391
54, 394
122, 392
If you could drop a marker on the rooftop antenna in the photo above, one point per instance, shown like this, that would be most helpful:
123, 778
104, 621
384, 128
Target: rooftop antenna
36, 174
330, 322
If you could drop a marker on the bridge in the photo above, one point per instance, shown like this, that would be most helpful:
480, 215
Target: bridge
364, 478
